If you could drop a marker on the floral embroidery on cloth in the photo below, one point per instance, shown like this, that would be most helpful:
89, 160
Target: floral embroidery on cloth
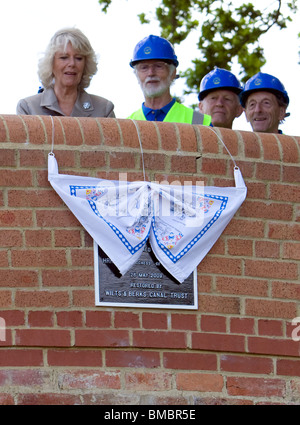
181, 223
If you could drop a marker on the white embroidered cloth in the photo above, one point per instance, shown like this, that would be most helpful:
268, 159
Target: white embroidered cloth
182, 223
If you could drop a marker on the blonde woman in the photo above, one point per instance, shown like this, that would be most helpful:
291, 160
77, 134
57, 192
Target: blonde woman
65, 71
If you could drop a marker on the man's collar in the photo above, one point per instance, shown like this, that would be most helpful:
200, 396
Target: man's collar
157, 114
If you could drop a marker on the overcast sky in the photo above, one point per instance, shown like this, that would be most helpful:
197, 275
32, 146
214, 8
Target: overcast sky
28, 25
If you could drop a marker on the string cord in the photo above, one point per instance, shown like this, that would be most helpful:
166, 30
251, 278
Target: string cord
141, 147
140, 142
212, 129
52, 135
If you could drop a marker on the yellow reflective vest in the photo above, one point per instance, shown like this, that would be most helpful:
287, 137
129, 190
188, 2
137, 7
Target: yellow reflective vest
178, 113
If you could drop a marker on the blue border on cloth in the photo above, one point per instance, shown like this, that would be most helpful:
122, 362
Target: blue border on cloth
133, 250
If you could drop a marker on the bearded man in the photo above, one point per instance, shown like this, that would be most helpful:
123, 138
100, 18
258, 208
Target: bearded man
154, 62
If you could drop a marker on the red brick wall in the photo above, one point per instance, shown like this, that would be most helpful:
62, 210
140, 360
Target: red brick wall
59, 348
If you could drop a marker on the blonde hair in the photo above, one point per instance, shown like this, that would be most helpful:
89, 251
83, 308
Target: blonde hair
60, 41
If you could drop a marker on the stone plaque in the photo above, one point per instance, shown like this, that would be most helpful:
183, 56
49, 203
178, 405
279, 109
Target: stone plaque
146, 284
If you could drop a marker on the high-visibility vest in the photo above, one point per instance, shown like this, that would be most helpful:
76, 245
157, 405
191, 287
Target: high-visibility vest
178, 113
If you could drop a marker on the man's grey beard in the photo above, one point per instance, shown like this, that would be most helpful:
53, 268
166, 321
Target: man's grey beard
157, 91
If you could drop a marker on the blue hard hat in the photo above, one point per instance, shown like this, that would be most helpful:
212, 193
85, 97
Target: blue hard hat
264, 82
219, 78
154, 47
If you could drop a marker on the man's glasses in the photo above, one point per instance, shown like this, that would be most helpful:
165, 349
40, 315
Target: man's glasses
156, 66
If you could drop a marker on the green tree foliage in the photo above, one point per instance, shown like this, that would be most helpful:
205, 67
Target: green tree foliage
227, 32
